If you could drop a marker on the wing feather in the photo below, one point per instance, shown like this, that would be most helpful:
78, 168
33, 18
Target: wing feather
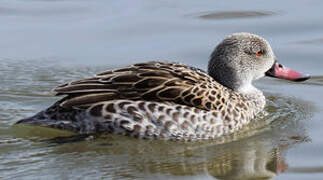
153, 81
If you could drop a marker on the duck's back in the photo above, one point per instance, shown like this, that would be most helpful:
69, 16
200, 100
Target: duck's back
152, 81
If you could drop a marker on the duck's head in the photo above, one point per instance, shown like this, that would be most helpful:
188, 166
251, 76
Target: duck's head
242, 58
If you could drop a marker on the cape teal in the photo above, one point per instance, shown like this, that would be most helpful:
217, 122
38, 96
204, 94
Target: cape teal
162, 100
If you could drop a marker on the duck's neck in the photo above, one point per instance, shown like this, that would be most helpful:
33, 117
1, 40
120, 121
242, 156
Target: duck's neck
231, 78
254, 96
247, 89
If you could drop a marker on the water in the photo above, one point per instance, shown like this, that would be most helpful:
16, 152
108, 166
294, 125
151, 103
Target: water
46, 43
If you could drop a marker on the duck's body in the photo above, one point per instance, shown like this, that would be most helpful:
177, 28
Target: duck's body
152, 100
163, 100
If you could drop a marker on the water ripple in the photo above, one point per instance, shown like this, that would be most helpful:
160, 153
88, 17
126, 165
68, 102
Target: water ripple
222, 15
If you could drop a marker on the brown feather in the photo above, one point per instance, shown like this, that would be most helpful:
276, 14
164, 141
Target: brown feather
153, 81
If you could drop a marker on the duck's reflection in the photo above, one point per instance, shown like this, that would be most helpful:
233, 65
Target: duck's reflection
247, 159
253, 162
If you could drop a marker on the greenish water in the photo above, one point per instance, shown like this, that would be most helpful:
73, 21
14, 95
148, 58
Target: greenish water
46, 43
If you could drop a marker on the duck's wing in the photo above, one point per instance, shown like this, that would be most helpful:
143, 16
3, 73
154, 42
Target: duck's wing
152, 81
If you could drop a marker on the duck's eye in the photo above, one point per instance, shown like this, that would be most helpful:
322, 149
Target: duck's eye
259, 53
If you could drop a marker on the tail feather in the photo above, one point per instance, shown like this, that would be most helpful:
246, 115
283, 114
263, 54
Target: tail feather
75, 120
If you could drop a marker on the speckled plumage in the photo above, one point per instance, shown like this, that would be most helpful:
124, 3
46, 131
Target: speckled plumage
144, 119
163, 100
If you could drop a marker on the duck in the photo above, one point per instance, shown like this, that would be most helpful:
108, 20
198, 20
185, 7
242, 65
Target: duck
170, 100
